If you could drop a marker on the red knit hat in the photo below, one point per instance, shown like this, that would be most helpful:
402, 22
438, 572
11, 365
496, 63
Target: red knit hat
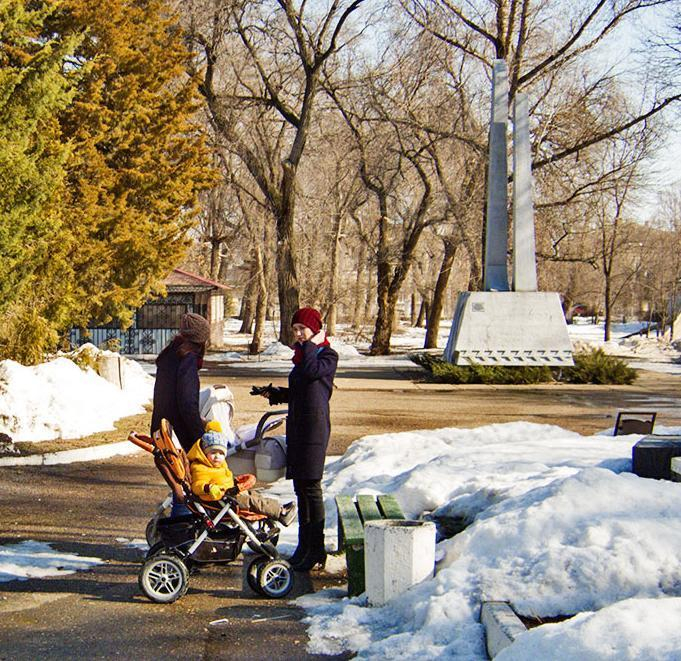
308, 317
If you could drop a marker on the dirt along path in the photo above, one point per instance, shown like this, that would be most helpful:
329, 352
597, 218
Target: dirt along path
97, 508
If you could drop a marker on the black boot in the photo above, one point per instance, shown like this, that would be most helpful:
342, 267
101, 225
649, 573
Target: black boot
316, 553
301, 549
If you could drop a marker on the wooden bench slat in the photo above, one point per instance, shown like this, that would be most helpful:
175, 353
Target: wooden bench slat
351, 518
350, 530
367, 508
390, 508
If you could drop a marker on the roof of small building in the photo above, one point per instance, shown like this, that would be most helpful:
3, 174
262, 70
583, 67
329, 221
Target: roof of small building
179, 280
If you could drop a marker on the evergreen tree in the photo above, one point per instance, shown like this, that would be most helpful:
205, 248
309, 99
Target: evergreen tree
138, 157
34, 87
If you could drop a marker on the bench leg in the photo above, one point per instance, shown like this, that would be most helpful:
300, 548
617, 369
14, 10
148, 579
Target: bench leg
354, 559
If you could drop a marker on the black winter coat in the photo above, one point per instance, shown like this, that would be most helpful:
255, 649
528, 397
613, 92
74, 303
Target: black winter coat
308, 424
176, 395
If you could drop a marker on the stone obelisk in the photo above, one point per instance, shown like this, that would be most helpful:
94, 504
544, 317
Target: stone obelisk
496, 234
524, 255
497, 326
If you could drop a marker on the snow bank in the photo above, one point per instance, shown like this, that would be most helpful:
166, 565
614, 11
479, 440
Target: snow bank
559, 527
59, 400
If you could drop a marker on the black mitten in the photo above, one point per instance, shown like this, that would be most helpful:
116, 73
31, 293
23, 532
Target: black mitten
264, 391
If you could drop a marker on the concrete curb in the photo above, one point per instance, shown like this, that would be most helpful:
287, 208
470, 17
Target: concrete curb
94, 452
502, 626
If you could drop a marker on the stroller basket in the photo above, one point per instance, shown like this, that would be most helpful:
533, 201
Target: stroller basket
176, 531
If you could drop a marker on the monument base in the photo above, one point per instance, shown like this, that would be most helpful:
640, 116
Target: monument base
509, 328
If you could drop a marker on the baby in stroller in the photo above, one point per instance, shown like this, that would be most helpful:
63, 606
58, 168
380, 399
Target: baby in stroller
214, 532
211, 478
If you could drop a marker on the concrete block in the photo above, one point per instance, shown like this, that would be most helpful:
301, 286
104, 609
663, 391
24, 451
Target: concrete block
675, 469
397, 555
109, 367
502, 626
653, 454
509, 328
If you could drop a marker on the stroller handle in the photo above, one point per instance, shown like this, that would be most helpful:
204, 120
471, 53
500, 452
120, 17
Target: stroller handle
141, 440
259, 431
261, 423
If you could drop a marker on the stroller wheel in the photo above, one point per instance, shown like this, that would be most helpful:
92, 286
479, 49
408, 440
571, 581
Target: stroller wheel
155, 550
151, 532
164, 578
253, 572
275, 578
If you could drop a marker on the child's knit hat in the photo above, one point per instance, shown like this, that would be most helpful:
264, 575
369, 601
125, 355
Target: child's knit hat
214, 439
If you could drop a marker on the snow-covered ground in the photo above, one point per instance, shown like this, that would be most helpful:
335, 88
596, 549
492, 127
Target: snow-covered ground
58, 399
643, 352
560, 526
29, 559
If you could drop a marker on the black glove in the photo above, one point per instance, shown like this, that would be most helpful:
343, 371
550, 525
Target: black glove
264, 391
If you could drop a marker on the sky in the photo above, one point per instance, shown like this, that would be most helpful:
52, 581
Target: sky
560, 526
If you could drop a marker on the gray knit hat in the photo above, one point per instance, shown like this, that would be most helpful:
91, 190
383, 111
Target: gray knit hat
194, 328
214, 439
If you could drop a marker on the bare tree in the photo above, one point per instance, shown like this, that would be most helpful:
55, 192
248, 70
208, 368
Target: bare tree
276, 52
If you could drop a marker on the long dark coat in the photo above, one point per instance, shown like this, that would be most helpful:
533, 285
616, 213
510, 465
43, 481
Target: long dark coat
308, 424
176, 394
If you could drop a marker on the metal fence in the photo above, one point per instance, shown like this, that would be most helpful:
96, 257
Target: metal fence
134, 341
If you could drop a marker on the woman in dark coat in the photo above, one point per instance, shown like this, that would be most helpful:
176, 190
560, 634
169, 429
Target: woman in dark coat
310, 384
176, 391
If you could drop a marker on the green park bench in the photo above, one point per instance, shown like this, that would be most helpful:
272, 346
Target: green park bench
352, 515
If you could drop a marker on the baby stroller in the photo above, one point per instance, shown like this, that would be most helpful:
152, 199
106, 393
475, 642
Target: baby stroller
252, 448
212, 533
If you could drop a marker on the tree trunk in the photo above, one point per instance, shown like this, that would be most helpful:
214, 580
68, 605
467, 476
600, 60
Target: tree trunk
287, 276
255, 346
435, 313
606, 304
332, 313
357, 321
380, 344
215, 260
248, 302
412, 310
422, 315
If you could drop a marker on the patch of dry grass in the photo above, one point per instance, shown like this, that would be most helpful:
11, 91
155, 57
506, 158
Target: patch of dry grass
123, 427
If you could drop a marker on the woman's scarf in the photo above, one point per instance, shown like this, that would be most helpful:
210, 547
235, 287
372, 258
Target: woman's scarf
298, 351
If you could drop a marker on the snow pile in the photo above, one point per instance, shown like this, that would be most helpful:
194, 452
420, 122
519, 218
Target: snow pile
31, 559
629, 630
558, 527
223, 356
342, 349
59, 400
586, 337
460, 472
278, 351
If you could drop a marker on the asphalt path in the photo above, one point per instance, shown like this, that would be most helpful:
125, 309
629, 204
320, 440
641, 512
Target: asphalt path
97, 508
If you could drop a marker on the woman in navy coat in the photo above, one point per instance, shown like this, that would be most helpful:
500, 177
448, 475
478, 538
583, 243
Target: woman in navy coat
308, 427
176, 390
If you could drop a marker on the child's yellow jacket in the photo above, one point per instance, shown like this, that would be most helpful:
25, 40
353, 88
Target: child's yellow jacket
203, 473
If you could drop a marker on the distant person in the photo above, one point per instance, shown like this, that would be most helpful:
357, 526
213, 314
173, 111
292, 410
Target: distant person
176, 391
211, 478
308, 427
